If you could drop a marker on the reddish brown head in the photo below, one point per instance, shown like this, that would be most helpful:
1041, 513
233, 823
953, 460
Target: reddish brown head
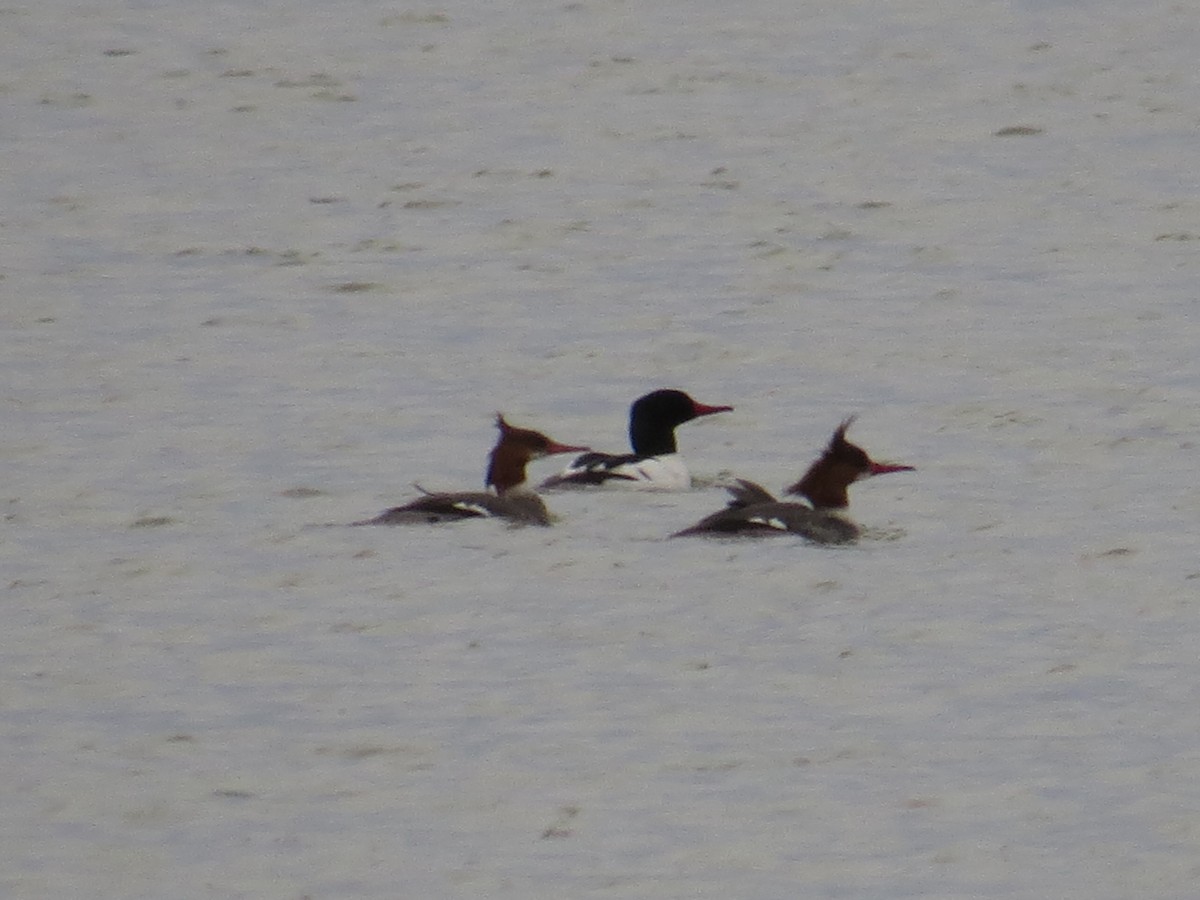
516, 447
843, 463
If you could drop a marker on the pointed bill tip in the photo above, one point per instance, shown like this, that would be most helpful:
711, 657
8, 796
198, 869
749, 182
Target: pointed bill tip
878, 468
556, 447
703, 409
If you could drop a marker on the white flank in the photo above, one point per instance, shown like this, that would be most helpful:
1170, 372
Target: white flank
656, 473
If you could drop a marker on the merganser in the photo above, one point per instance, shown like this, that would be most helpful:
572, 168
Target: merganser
513, 500
754, 511
655, 462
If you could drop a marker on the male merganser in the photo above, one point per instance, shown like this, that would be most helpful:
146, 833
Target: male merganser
754, 511
513, 500
655, 462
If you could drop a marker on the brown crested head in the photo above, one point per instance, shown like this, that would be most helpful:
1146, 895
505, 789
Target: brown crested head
826, 482
515, 448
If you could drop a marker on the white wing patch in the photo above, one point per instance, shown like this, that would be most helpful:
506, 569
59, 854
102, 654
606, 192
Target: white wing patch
473, 508
769, 522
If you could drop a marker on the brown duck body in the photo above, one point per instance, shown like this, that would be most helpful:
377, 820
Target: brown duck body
754, 511
512, 500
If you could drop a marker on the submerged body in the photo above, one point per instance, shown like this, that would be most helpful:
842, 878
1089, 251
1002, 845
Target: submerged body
763, 514
655, 462
512, 499
817, 516
521, 507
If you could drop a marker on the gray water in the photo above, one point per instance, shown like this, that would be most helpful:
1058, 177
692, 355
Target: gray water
266, 265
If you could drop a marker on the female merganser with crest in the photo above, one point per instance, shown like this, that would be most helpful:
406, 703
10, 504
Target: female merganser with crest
513, 500
754, 511
655, 462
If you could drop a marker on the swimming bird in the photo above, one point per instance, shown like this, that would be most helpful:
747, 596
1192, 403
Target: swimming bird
655, 462
823, 490
510, 498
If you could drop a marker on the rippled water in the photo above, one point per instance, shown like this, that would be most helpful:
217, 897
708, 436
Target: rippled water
265, 266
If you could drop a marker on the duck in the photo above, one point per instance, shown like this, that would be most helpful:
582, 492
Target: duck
818, 516
509, 497
655, 462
